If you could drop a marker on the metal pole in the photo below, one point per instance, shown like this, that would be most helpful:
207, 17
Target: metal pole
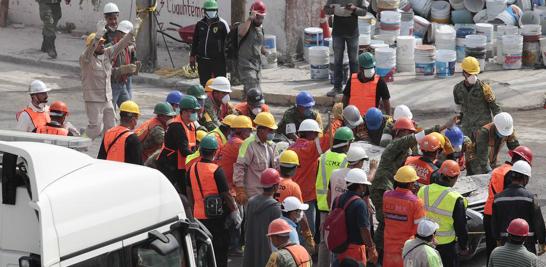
164, 40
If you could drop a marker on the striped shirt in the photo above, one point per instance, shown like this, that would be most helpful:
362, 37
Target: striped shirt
511, 255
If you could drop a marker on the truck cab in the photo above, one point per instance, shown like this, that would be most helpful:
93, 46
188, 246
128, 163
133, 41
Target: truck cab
61, 207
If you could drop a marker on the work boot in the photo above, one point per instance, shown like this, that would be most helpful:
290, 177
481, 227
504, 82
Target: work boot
52, 53
334, 92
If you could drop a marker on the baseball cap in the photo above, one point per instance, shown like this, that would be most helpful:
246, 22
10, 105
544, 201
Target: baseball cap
293, 203
427, 228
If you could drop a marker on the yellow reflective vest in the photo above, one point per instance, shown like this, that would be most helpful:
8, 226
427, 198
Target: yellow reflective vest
328, 162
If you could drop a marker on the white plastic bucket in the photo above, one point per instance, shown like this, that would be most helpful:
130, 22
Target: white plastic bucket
531, 29
512, 46
457, 4
405, 59
444, 37
461, 16
480, 17
318, 62
494, 8
485, 29
385, 59
311, 37
420, 26
386, 38
366, 24
531, 45
501, 31
543, 50
390, 23
474, 6
406, 24
421, 7
511, 15
475, 41
439, 12
445, 63
270, 46
424, 62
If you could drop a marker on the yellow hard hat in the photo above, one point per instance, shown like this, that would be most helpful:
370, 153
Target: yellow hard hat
207, 85
228, 120
406, 174
471, 65
199, 135
289, 157
241, 122
90, 38
130, 107
440, 138
266, 119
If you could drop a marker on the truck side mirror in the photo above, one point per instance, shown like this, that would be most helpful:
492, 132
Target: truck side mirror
29, 261
163, 244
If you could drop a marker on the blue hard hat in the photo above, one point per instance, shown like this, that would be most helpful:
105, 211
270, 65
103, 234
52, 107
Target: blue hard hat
455, 136
305, 99
374, 119
174, 97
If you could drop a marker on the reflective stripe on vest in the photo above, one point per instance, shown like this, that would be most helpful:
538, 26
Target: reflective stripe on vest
328, 162
37, 118
363, 95
205, 171
114, 143
46, 129
300, 255
191, 158
423, 168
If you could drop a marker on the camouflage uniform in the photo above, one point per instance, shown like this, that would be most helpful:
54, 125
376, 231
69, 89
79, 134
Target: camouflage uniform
291, 115
50, 14
211, 119
477, 105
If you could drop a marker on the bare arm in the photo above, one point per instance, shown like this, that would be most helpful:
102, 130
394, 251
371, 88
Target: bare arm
89, 50
245, 26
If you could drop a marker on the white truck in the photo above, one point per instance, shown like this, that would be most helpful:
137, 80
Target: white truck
61, 207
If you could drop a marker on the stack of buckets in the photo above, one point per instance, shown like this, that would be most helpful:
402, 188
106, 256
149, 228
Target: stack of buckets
270, 45
501, 31
531, 45
444, 37
425, 62
462, 30
386, 63
487, 29
405, 59
420, 26
311, 37
390, 23
512, 47
406, 24
476, 46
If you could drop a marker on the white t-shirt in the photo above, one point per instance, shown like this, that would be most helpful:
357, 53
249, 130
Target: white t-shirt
338, 185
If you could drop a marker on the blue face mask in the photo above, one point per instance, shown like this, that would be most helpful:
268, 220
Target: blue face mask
193, 116
307, 113
270, 136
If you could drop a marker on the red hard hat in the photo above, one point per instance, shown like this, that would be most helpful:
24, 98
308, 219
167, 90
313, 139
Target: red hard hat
278, 227
523, 152
518, 227
259, 7
450, 168
59, 107
270, 177
404, 124
430, 143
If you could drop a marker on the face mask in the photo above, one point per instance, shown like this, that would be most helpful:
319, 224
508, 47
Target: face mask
225, 99
472, 79
307, 113
42, 105
369, 73
211, 14
193, 116
300, 216
270, 136
255, 111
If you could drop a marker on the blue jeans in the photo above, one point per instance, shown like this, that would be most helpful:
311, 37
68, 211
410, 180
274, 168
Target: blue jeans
119, 93
339, 49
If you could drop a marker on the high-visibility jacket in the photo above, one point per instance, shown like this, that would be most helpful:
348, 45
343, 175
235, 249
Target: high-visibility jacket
48, 129
300, 255
220, 137
143, 131
439, 203
227, 156
192, 142
192, 158
424, 168
363, 95
114, 143
496, 185
37, 118
203, 186
328, 162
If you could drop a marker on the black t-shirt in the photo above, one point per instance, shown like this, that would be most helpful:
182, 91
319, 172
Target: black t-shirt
133, 150
381, 93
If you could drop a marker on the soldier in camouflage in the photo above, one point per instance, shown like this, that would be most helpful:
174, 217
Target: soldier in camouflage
50, 14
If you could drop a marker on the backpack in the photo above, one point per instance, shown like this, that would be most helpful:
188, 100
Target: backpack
335, 227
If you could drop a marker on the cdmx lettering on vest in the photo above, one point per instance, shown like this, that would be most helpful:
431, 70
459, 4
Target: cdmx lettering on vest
340, 189
185, 8
332, 163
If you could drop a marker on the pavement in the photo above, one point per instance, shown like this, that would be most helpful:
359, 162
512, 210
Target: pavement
515, 89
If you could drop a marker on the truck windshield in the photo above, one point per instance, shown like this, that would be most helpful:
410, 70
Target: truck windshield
145, 256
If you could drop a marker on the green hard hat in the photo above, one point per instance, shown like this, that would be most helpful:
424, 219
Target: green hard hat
164, 108
209, 142
198, 91
210, 4
189, 102
344, 134
366, 60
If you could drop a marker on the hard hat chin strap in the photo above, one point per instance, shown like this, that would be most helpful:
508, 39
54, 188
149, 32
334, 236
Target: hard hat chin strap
340, 145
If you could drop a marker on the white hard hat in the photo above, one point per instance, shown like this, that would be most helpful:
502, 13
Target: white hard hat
427, 228
37, 87
309, 125
402, 111
125, 26
521, 166
356, 153
357, 176
293, 203
110, 8
504, 123
221, 84
351, 114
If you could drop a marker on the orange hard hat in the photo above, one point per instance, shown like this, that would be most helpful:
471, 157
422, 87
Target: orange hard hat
278, 227
270, 177
404, 124
58, 107
430, 143
518, 227
450, 168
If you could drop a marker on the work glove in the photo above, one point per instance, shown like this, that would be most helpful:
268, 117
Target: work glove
372, 254
240, 197
127, 69
337, 111
192, 62
234, 220
101, 29
541, 249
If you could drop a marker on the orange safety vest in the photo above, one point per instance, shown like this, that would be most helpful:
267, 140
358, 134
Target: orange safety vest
227, 156
142, 133
192, 142
114, 143
423, 168
496, 185
38, 118
46, 129
300, 255
363, 95
205, 186
244, 109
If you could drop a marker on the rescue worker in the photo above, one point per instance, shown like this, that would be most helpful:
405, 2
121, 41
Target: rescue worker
174, 97
517, 202
198, 92
513, 253
488, 141
366, 89
292, 117
402, 211
58, 111
256, 154
223, 131
448, 208
420, 252
497, 183
359, 239
208, 46
372, 128
96, 71
288, 162
262, 209
123, 66
180, 141
251, 49
50, 14
111, 15
424, 165
293, 213
151, 133
36, 114
206, 180
400, 111
254, 104
288, 254
217, 104
120, 143
474, 98
344, 34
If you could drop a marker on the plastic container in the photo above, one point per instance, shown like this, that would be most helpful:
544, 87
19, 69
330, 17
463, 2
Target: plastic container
501, 31
512, 49
525, 4
366, 24
421, 7
385, 65
405, 49
311, 37
541, 10
424, 62
386, 38
270, 46
390, 23
530, 17
462, 30
318, 62
445, 63
510, 16
485, 29
363, 43
420, 26
444, 37
494, 8
531, 45
439, 12
476, 46
461, 16
474, 6
457, 4
406, 24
